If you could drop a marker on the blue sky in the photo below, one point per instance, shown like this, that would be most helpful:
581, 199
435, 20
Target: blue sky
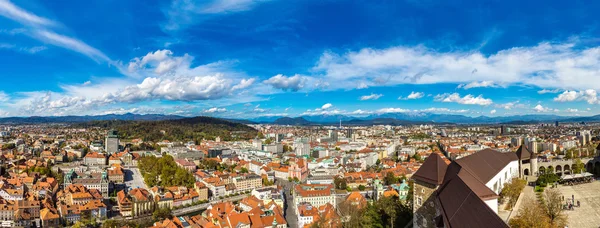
251, 58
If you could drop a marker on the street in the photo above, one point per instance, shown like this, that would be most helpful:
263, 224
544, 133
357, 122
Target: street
290, 211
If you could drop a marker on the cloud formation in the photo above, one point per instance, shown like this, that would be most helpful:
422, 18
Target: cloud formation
370, 97
540, 108
548, 64
412, 96
293, 83
476, 84
40, 28
468, 99
589, 95
215, 110
183, 13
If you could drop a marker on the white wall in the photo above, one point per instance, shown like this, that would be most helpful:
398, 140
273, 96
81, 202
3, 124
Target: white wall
493, 203
504, 176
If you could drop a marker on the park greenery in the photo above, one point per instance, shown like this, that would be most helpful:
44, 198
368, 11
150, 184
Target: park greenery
164, 172
187, 129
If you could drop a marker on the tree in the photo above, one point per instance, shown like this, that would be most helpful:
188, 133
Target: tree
578, 167
361, 187
512, 190
161, 214
268, 141
8, 146
531, 215
553, 207
417, 157
569, 154
550, 170
390, 178
244, 170
340, 183
393, 212
378, 162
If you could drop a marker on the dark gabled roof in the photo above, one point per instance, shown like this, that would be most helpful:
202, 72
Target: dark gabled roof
460, 204
485, 164
432, 171
523, 153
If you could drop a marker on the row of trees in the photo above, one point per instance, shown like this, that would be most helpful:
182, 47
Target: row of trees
164, 172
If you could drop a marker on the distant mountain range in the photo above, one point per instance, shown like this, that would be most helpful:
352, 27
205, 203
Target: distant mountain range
80, 119
420, 118
387, 118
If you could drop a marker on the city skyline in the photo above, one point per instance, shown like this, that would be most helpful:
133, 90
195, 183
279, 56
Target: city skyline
248, 58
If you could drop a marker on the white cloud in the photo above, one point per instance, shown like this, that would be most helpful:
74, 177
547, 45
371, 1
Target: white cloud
443, 110
245, 83
4, 97
413, 95
479, 84
371, 97
493, 111
29, 50
215, 110
392, 110
572, 110
589, 95
71, 44
183, 13
293, 83
510, 105
468, 99
326, 106
540, 108
362, 85
563, 65
40, 30
360, 112
544, 91
10, 10
180, 83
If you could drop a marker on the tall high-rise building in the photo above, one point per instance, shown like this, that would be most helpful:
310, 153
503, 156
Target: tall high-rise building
111, 143
279, 137
516, 141
302, 147
333, 135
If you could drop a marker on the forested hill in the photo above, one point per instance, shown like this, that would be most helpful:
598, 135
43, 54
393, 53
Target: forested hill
186, 129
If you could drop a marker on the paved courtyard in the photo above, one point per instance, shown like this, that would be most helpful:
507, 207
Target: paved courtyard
588, 215
134, 179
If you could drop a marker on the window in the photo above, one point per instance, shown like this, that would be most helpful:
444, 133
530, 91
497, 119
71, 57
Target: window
422, 190
419, 201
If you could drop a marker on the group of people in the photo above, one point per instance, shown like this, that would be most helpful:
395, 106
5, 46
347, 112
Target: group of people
570, 205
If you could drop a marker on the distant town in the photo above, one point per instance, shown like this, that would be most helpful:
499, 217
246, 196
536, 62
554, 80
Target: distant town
542, 175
